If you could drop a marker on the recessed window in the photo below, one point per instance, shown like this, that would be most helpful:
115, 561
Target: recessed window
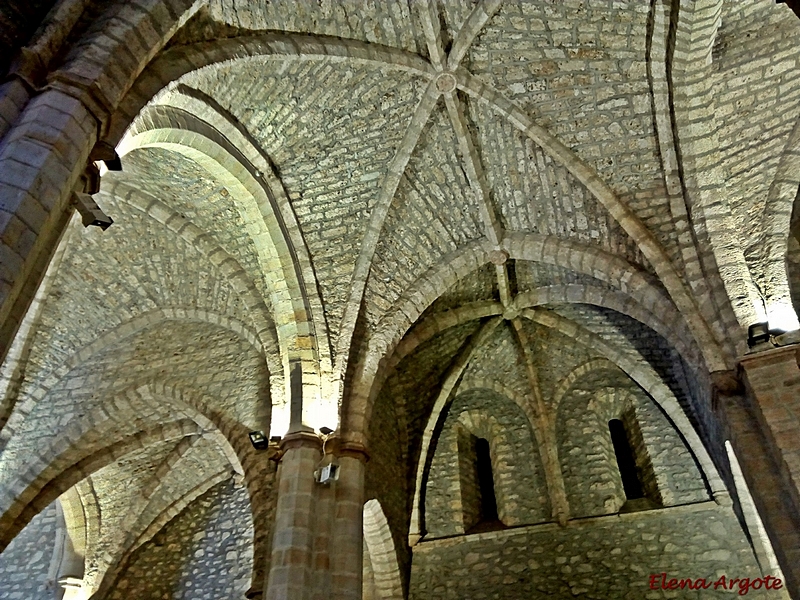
488, 500
625, 460
478, 498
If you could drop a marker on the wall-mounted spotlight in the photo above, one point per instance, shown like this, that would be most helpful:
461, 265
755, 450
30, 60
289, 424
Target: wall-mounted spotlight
91, 214
328, 469
259, 440
757, 333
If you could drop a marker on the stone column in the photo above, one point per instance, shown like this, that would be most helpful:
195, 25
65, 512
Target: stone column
765, 434
41, 161
348, 526
290, 576
318, 534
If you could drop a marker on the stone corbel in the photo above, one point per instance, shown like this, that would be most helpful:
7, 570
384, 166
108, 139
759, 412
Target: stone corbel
28, 67
725, 384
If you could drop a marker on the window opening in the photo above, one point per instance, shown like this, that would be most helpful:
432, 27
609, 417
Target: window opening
486, 481
625, 460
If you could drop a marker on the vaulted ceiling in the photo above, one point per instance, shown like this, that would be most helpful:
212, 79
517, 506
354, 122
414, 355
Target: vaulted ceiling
361, 187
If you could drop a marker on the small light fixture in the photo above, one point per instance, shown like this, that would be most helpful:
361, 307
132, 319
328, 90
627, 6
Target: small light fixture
91, 214
757, 333
327, 473
327, 470
259, 440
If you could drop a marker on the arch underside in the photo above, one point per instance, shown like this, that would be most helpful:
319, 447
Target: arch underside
396, 223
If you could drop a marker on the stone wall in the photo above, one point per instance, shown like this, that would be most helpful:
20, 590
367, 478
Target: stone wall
519, 484
204, 553
588, 461
399, 419
606, 557
25, 563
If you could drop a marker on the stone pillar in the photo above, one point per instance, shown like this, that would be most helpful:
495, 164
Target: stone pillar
348, 526
318, 534
765, 434
290, 576
41, 161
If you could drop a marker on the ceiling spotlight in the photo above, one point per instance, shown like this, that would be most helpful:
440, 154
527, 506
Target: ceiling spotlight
259, 440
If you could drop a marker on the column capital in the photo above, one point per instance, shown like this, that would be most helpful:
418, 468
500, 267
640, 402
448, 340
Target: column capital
300, 439
354, 450
346, 448
87, 93
771, 356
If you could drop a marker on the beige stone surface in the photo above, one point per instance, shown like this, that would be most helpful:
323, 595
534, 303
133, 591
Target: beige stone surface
416, 224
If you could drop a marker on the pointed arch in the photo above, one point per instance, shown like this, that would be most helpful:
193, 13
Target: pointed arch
382, 553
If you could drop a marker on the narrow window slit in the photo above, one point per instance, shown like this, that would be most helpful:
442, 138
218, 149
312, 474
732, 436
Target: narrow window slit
625, 461
486, 481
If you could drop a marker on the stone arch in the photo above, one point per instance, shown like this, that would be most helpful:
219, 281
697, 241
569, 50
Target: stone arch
119, 333
382, 554
79, 100
640, 285
12, 368
778, 213
305, 295
198, 141
92, 442
692, 41
451, 384
620, 404
707, 286
570, 378
468, 383
231, 155
396, 323
643, 238
177, 62
449, 488
646, 378
451, 503
118, 569
247, 462
68, 468
217, 256
664, 320
587, 456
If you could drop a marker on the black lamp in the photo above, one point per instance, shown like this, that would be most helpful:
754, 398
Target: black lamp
757, 333
259, 440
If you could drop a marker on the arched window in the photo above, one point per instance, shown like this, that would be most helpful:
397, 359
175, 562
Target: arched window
483, 463
625, 460
478, 498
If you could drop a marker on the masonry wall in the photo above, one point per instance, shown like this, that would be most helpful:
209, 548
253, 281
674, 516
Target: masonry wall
588, 461
25, 563
203, 554
517, 472
606, 557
